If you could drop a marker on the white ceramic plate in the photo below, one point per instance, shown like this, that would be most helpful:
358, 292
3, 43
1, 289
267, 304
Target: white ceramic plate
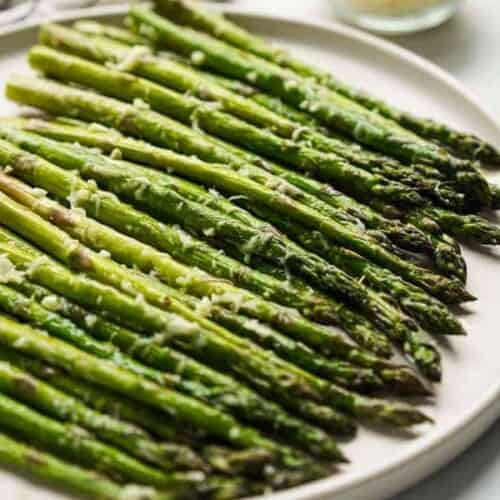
468, 399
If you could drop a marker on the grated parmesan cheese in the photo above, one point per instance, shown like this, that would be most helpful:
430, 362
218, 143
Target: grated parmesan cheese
204, 307
50, 302
132, 59
197, 57
8, 271
141, 104
135, 492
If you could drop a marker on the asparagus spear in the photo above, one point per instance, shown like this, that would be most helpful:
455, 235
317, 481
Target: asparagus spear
30, 91
47, 468
157, 70
349, 211
404, 235
261, 369
201, 383
195, 253
126, 250
143, 257
107, 30
331, 108
227, 461
204, 116
195, 379
473, 228
182, 78
108, 403
22, 386
416, 298
53, 62
431, 313
78, 445
406, 331
178, 407
188, 13
79, 153
221, 395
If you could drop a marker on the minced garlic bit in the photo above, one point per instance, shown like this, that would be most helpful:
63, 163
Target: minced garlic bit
98, 127
252, 76
36, 263
8, 271
39, 192
90, 320
50, 302
132, 59
135, 492
179, 326
197, 57
204, 307
116, 154
141, 104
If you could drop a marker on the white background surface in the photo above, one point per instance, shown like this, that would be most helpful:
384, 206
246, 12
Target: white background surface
468, 47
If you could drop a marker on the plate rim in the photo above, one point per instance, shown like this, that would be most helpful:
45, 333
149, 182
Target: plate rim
487, 409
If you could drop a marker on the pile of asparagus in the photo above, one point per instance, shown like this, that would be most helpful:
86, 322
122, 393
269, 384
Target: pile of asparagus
212, 256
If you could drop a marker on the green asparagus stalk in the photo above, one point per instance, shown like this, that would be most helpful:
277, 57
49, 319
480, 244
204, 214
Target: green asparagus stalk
348, 211
472, 228
104, 401
406, 331
170, 103
22, 386
250, 462
182, 78
188, 13
220, 392
167, 74
208, 385
448, 290
78, 445
404, 235
171, 239
204, 116
227, 461
154, 320
178, 407
133, 253
203, 384
49, 469
17, 380
431, 314
331, 108
95, 28
79, 154
129, 251
415, 297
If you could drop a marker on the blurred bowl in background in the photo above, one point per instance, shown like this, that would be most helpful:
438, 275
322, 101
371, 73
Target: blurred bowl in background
395, 16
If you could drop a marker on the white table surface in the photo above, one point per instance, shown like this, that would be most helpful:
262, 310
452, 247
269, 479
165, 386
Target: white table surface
468, 47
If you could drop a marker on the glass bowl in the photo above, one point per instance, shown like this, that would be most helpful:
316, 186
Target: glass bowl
395, 16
